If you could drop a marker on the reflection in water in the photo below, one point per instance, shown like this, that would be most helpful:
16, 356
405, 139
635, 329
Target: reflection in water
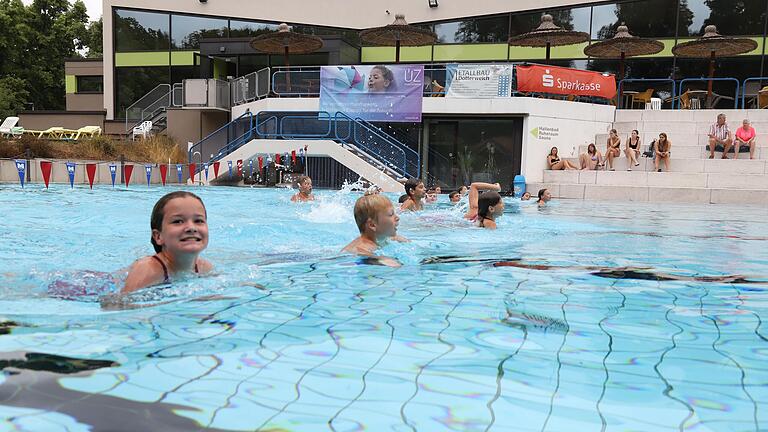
50, 362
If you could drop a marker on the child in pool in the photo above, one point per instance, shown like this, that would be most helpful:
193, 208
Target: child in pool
454, 197
415, 190
489, 207
377, 222
179, 234
474, 194
305, 190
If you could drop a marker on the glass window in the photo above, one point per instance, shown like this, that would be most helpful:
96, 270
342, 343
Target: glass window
494, 29
636, 16
252, 63
249, 28
141, 31
350, 36
736, 17
188, 30
90, 84
131, 83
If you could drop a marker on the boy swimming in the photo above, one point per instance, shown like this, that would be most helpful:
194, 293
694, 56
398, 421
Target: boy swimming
179, 234
305, 190
377, 222
415, 190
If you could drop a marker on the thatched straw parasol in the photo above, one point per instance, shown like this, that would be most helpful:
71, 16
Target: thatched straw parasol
713, 45
623, 45
398, 34
547, 34
286, 42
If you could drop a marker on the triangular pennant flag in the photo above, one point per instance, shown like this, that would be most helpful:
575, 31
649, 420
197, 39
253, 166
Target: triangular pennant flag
261, 163
71, 171
277, 158
90, 169
45, 167
239, 167
250, 167
192, 172
229, 165
127, 171
149, 173
178, 172
205, 166
21, 167
293, 157
216, 169
163, 173
113, 173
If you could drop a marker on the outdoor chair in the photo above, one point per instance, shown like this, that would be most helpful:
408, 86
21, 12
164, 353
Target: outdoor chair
144, 129
762, 98
87, 132
55, 132
642, 98
8, 127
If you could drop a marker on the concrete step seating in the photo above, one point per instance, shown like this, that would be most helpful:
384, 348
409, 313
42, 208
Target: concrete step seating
692, 177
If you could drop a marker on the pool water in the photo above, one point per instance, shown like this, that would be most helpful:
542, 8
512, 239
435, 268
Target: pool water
578, 316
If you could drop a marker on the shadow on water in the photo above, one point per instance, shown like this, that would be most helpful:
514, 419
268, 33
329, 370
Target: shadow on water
49, 363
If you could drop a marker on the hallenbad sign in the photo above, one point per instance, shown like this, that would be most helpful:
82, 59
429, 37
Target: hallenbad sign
478, 81
559, 80
375, 93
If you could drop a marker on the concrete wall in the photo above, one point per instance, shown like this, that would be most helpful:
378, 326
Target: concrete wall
563, 124
181, 122
41, 120
89, 67
85, 102
9, 173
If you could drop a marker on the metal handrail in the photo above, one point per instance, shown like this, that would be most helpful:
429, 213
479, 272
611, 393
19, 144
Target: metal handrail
267, 120
397, 143
248, 114
744, 90
359, 142
735, 95
619, 102
141, 99
180, 88
319, 116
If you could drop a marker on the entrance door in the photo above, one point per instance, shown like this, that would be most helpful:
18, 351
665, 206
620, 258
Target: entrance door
465, 150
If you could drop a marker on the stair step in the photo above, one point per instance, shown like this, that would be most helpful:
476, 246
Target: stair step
654, 193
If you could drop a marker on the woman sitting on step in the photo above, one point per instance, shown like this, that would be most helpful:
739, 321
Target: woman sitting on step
632, 149
661, 151
554, 163
592, 159
612, 148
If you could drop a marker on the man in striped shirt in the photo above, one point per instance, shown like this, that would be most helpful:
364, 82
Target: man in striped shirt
719, 134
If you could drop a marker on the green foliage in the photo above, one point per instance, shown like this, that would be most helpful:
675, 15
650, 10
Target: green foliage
35, 41
94, 39
12, 96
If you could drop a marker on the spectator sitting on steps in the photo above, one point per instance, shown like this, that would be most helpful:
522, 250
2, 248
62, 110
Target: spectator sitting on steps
745, 136
720, 134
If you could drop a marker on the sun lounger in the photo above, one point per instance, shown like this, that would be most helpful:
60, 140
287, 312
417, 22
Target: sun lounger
8, 126
87, 132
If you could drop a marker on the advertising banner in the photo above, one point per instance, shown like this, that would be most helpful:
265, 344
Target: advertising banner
478, 81
565, 81
375, 93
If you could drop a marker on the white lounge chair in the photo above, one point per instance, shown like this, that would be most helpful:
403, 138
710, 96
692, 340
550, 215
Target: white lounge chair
143, 130
8, 127
87, 132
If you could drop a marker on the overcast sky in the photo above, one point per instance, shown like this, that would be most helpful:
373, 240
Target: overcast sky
93, 6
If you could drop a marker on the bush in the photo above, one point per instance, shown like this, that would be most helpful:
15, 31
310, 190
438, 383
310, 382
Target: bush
158, 149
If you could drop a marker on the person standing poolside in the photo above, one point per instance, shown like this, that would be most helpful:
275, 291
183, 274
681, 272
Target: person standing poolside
592, 159
720, 134
377, 222
179, 234
632, 149
745, 135
544, 197
662, 152
305, 190
612, 148
474, 195
555, 164
415, 190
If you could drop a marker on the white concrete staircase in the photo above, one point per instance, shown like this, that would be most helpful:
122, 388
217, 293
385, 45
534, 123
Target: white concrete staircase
692, 177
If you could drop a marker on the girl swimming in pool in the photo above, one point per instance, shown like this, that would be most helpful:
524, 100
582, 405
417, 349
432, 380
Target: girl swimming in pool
489, 207
179, 234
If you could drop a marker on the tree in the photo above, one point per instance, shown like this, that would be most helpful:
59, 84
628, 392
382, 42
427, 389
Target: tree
94, 39
13, 96
34, 41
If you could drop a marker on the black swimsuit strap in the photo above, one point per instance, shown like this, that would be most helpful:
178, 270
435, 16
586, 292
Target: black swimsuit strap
166, 279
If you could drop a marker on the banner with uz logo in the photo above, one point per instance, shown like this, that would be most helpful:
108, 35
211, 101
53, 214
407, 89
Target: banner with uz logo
565, 81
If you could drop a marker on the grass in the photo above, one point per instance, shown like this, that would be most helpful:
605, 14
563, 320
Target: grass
157, 149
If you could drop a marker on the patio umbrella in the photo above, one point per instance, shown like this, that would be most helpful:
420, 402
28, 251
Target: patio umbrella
398, 34
623, 45
713, 45
286, 42
547, 34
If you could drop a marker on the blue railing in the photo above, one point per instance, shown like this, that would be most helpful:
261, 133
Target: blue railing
716, 96
620, 91
755, 95
224, 140
339, 127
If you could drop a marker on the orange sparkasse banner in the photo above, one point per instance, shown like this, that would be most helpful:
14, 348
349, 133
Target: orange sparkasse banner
560, 80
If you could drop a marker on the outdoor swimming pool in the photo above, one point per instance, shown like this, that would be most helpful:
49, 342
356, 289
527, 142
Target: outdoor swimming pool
580, 316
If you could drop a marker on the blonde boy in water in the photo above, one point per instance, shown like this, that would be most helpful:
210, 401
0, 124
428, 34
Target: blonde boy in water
377, 222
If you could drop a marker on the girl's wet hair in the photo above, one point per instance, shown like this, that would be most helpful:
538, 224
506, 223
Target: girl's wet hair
158, 213
486, 200
541, 193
